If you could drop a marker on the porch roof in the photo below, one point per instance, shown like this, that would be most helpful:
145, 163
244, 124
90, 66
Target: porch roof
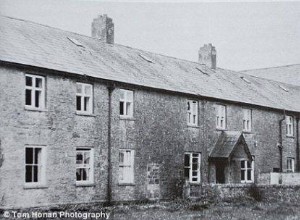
227, 143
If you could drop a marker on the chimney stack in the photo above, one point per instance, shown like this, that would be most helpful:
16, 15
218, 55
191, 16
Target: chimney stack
208, 56
103, 29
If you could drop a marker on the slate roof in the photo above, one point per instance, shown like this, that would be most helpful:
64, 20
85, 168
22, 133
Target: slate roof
288, 74
28, 43
226, 144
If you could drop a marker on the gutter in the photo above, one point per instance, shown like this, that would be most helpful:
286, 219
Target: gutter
110, 89
280, 142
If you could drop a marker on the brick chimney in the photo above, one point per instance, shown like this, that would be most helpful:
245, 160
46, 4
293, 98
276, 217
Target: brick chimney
103, 29
208, 56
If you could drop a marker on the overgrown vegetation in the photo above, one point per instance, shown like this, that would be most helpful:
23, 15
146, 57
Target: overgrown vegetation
255, 193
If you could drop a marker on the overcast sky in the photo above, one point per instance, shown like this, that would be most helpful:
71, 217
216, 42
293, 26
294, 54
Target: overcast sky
246, 35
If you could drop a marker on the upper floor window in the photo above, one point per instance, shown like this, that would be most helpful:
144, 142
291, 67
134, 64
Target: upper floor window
192, 112
84, 165
290, 165
126, 103
192, 163
247, 119
35, 165
34, 92
126, 166
289, 125
221, 117
84, 98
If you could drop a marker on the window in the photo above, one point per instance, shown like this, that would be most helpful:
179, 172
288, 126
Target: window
221, 117
34, 165
84, 98
289, 125
192, 112
126, 162
290, 165
84, 165
126, 103
34, 91
247, 171
247, 118
192, 167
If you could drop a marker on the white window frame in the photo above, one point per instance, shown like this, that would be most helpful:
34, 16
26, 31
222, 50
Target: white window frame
247, 120
245, 169
83, 95
40, 164
126, 97
289, 125
192, 112
33, 89
221, 113
290, 165
126, 167
192, 177
84, 166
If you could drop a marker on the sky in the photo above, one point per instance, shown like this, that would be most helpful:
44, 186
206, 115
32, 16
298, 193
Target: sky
247, 35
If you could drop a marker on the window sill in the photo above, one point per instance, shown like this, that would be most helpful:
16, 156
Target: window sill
35, 186
193, 126
85, 184
85, 114
129, 118
126, 184
290, 136
29, 108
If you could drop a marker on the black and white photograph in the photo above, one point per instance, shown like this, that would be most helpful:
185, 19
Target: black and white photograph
149, 110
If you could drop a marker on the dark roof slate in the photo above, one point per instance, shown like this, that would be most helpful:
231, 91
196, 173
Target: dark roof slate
226, 144
32, 44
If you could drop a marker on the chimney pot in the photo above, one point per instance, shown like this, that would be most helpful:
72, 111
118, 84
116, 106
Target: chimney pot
208, 56
103, 29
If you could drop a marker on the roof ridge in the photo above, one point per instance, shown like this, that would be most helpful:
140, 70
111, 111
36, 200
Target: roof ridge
288, 65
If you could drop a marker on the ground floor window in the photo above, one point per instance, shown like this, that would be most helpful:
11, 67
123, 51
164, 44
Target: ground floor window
192, 167
126, 166
34, 164
84, 165
247, 171
290, 165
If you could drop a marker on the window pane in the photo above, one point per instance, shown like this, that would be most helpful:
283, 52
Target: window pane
35, 173
129, 96
28, 81
87, 158
128, 108
28, 97
122, 94
79, 88
78, 103
38, 82
248, 174
29, 156
186, 160
242, 175
242, 164
195, 166
121, 157
121, 108
79, 158
188, 106
86, 103
37, 155
37, 98
88, 89
28, 174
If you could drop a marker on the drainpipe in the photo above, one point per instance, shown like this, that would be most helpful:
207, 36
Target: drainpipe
280, 141
297, 146
110, 89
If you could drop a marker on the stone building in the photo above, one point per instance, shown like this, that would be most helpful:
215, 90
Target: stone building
85, 120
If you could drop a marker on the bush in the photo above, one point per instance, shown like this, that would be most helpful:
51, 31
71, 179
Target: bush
255, 193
